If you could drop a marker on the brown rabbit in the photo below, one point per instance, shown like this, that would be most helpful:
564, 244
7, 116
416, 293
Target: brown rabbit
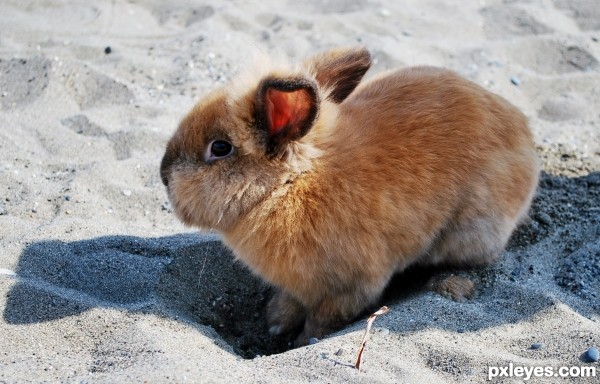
326, 187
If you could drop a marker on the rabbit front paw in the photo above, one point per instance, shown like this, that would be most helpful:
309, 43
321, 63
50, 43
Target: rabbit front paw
284, 314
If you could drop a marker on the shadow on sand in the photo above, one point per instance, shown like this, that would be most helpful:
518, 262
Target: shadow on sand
190, 277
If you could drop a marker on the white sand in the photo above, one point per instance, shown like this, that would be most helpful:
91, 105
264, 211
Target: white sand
100, 283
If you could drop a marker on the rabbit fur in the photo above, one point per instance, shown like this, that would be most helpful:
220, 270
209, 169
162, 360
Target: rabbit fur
333, 185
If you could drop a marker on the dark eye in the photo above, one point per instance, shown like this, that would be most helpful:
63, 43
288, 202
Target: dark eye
220, 149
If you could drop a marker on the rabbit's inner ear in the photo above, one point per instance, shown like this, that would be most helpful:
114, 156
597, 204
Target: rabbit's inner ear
287, 110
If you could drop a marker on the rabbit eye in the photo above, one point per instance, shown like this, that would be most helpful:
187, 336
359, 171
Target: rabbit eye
220, 149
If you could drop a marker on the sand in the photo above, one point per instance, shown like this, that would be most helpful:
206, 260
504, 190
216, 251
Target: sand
100, 283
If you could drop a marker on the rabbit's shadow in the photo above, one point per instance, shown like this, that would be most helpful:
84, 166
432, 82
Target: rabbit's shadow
183, 276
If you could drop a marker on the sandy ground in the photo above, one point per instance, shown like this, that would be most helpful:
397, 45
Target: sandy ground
100, 283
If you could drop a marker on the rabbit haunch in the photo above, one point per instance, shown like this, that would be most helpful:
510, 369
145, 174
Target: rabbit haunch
334, 185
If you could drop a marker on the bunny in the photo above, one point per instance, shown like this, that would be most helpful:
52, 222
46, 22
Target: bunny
326, 187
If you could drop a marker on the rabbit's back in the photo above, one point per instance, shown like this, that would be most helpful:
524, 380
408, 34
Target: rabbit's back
441, 155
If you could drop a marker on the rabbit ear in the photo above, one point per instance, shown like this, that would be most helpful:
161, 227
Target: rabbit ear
286, 109
339, 70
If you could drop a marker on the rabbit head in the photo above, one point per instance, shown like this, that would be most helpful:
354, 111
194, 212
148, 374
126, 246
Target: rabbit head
239, 143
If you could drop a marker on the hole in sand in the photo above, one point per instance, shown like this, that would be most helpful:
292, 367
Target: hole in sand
205, 284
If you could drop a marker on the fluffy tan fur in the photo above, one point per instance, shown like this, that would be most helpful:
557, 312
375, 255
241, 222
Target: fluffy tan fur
417, 166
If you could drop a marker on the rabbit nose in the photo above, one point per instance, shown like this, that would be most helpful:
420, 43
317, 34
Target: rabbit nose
165, 166
164, 178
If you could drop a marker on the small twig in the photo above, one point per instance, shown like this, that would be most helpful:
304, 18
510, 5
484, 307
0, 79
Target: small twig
202, 270
383, 310
68, 82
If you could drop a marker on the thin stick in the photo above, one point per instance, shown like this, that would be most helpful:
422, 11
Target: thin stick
382, 311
